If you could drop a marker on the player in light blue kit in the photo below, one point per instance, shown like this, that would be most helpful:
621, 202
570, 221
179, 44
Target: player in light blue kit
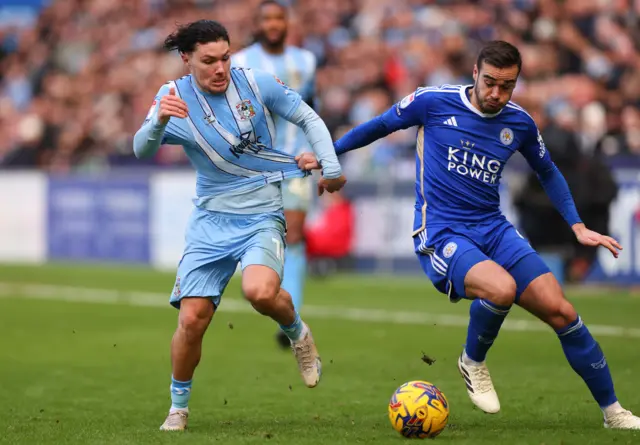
466, 134
223, 118
296, 68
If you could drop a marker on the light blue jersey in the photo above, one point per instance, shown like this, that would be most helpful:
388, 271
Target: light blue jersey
230, 140
296, 67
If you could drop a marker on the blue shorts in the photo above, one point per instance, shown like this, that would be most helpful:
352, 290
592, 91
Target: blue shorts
448, 252
216, 242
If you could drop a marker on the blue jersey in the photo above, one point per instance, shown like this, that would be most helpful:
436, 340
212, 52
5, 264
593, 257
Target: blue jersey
461, 154
296, 67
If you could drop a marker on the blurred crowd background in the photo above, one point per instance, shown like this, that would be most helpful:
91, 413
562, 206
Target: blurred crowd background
77, 78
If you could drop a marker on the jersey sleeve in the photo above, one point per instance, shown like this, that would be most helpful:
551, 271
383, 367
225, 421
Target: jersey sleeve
152, 134
277, 96
535, 152
411, 111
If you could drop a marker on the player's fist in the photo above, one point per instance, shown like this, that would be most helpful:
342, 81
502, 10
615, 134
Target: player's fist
331, 185
171, 106
307, 161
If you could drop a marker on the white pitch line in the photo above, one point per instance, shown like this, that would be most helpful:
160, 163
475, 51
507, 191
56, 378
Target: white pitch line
149, 299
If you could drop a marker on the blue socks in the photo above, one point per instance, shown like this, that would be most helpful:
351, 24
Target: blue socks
294, 330
485, 321
588, 361
295, 269
180, 394
582, 351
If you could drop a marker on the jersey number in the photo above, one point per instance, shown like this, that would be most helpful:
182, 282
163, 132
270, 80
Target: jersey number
279, 249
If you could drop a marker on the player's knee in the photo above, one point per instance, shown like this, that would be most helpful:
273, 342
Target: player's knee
504, 292
194, 319
261, 295
561, 314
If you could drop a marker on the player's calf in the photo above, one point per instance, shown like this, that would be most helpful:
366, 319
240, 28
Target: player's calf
186, 345
544, 298
494, 291
186, 349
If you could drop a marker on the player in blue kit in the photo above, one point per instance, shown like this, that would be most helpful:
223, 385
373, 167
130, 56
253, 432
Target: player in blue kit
296, 68
223, 118
465, 245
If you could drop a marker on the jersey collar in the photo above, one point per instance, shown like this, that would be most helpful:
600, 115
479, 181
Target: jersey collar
465, 100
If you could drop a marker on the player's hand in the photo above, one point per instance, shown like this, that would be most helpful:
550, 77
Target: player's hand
331, 185
307, 161
588, 237
171, 106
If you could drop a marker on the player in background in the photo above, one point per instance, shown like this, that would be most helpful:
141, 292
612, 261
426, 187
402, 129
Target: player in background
466, 134
223, 119
296, 68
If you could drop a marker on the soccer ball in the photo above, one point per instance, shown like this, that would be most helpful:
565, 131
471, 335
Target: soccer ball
419, 410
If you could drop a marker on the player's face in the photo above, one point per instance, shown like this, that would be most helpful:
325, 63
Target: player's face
494, 86
210, 64
272, 24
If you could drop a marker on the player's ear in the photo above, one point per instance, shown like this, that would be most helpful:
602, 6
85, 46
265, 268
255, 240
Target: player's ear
475, 73
185, 58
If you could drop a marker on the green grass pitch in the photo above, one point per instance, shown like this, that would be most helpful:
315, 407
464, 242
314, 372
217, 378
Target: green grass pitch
84, 359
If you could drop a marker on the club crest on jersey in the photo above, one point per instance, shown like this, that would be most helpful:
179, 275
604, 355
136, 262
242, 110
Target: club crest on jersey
449, 249
506, 136
176, 288
245, 110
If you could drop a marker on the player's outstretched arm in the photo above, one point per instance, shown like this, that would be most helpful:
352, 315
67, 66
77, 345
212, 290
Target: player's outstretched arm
407, 113
148, 138
287, 103
557, 189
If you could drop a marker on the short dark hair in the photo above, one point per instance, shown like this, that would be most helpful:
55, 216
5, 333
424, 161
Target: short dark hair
186, 37
273, 2
500, 54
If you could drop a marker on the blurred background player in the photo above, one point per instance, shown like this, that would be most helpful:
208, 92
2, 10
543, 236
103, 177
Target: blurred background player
296, 68
222, 118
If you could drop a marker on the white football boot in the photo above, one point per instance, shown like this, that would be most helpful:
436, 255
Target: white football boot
622, 420
479, 386
306, 354
176, 421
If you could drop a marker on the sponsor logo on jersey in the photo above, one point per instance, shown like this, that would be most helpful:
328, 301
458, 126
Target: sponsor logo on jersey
467, 163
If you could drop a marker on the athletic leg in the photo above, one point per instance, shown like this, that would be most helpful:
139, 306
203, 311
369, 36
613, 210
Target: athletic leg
458, 267
296, 198
203, 274
262, 265
543, 297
